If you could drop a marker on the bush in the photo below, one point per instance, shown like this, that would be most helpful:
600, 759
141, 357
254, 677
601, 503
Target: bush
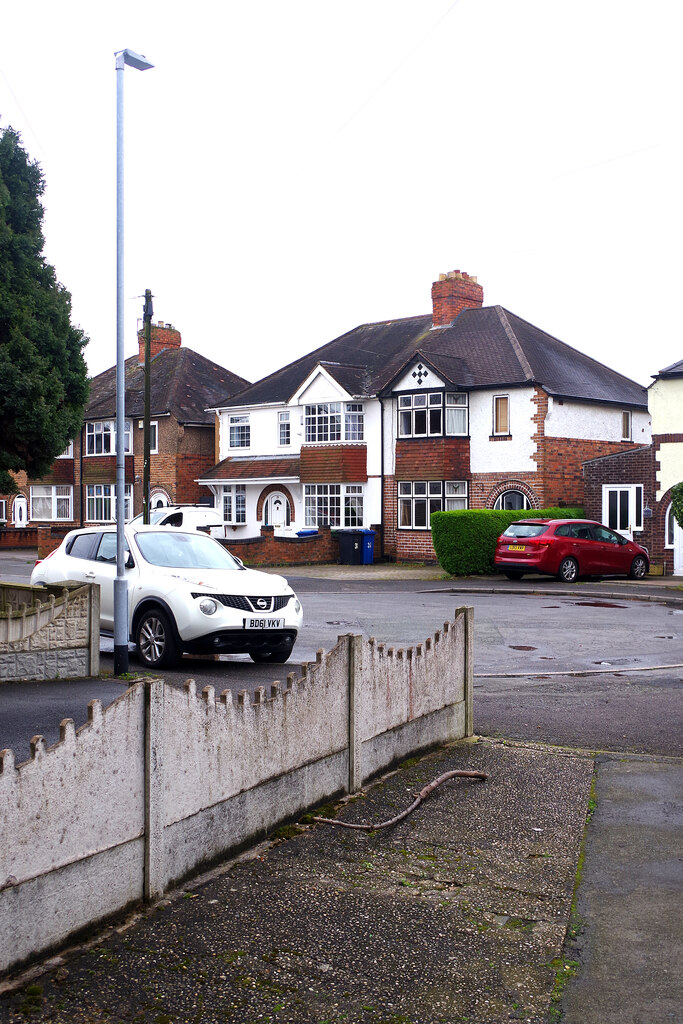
677, 503
465, 541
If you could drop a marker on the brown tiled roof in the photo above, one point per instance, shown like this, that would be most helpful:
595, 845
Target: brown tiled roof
253, 469
484, 347
182, 383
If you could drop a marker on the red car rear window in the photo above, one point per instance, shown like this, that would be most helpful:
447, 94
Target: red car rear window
525, 529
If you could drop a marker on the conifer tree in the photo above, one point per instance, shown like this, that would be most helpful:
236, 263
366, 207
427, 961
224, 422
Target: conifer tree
43, 375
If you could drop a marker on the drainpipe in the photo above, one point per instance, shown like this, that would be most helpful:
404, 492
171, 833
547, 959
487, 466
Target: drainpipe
381, 478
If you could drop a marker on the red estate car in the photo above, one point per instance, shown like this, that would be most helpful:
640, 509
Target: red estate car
568, 548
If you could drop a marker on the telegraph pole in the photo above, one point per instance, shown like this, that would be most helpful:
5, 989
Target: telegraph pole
147, 314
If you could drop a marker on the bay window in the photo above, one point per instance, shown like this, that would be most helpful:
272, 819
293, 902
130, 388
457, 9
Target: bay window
417, 499
100, 437
101, 503
52, 503
456, 414
235, 504
333, 504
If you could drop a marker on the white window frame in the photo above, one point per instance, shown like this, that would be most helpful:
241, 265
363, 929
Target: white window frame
456, 403
153, 435
354, 422
60, 498
68, 452
669, 526
417, 499
234, 504
455, 495
338, 505
106, 495
284, 429
626, 425
106, 430
496, 400
239, 431
323, 423
498, 504
411, 408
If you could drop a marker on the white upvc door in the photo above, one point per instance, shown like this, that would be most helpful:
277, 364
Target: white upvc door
20, 511
622, 508
678, 549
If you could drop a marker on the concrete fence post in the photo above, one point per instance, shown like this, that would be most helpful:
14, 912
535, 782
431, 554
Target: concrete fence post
468, 667
154, 880
355, 649
94, 629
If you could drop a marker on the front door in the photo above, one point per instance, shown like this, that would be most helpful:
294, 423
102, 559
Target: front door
20, 511
678, 549
622, 508
276, 510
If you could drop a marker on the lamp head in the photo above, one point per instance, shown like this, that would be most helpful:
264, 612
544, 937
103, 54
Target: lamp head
133, 59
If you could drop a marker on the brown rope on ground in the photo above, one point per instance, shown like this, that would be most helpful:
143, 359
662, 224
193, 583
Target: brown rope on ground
419, 797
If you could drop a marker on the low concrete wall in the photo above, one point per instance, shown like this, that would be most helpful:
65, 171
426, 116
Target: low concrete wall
49, 632
165, 780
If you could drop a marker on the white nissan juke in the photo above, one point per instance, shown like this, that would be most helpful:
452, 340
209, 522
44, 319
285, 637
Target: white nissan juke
186, 593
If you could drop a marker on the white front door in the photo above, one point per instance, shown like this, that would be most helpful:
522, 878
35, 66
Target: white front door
622, 508
276, 510
20, 511
678, 549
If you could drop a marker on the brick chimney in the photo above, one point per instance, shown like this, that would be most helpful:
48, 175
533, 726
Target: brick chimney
452, 293
161, 336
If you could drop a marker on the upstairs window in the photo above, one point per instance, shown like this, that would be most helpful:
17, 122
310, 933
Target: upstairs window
68, 453
353, 421
420, 415
283, 427
323, 422
456, 414
240, 433
501, 414
100, 437
626, 425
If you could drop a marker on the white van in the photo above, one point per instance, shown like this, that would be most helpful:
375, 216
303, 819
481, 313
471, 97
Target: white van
186, 517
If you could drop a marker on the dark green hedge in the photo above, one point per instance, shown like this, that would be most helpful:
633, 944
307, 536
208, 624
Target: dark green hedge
465, 541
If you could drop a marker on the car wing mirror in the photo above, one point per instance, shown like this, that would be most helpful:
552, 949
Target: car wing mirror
130, 564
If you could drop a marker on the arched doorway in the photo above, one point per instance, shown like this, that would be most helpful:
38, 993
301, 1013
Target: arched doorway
20, 511
159, 499
276, 510
512, 501
674, 539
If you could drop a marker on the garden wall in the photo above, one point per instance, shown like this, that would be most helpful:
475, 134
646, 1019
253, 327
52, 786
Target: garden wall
165, 780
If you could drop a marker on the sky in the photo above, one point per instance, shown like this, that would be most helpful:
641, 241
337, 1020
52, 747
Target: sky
295, 169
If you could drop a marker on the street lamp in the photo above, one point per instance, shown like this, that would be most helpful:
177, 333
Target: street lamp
134, 60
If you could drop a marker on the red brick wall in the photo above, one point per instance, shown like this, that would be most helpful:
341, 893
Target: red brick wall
271, 550
344, 463
562, 461
451, 294
438, 458
637, 466
160, 338
415, 546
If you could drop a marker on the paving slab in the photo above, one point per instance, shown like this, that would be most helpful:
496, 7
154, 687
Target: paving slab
457, 913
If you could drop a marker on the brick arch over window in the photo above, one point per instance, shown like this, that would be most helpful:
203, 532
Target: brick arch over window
512, 485
271, 489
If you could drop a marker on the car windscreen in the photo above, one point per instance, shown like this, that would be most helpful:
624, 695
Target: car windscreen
525, 529
184, 551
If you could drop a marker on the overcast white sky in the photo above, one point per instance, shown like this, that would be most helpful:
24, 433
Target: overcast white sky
295, 169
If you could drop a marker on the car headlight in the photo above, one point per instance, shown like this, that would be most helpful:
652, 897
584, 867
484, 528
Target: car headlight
208, 606
297, 605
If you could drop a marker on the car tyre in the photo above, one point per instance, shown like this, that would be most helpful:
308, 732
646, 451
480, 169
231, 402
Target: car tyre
511, 575
639, 568
156, 642
568, 571
276, 655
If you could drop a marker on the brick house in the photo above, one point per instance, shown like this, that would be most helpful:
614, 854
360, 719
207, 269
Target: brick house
468, 406
80, 486
631, 491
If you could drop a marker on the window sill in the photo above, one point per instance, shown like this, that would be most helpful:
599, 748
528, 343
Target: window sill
500, 437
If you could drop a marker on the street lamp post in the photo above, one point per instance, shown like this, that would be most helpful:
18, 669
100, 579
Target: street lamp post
134, 60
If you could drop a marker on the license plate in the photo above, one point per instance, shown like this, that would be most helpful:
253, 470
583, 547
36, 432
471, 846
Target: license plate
516, 547
263, 623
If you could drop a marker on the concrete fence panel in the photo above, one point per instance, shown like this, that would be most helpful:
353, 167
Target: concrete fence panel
164, 781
